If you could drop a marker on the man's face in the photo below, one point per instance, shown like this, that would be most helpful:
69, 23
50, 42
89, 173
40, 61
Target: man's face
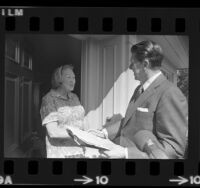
138, 69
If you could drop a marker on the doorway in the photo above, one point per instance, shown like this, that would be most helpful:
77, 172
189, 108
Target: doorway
29, 63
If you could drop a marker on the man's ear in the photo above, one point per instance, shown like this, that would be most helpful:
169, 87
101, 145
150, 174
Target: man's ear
146, 63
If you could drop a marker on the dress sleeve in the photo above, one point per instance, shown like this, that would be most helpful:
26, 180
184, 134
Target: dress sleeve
48, 110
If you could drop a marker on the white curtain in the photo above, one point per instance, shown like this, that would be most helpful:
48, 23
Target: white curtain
106, 82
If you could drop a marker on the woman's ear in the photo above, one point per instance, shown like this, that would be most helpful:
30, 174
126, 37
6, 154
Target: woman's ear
60, 80
60, 75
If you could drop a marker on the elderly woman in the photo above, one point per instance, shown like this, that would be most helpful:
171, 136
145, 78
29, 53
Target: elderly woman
60, 108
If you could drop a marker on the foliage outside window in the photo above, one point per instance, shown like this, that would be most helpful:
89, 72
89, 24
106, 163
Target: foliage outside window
182, 80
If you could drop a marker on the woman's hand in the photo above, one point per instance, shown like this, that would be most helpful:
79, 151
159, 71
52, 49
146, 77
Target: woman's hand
55, 132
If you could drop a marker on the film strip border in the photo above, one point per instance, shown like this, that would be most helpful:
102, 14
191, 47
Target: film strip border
108, 21
107, 24
93, 20
102, 172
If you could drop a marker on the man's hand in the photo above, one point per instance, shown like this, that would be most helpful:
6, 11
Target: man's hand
98, 133
108, 119
116, 152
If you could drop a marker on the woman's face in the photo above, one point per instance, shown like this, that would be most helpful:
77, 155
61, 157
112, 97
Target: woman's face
68, 79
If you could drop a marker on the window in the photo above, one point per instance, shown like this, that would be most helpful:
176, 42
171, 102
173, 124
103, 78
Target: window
26, 60
15, 52
12, 50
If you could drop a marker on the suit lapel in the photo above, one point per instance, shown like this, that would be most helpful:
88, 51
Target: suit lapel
132, 107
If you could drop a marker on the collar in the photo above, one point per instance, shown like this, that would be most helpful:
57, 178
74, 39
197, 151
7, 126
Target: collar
54, 93
150, 80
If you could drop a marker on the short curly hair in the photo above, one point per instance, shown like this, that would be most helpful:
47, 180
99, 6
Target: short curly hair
57, 75
148, 50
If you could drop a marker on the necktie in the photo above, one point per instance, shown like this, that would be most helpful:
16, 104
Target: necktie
139, 90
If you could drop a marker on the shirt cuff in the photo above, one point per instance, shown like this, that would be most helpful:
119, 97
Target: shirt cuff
105, 133
126, 153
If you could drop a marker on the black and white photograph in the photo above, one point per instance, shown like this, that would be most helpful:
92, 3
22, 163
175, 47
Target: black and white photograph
96, 96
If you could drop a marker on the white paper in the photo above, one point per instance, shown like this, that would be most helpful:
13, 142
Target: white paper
90, 139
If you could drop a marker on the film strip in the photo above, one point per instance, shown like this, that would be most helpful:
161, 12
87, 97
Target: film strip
20, 170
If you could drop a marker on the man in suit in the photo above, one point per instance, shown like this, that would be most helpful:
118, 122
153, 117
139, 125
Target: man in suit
155, 124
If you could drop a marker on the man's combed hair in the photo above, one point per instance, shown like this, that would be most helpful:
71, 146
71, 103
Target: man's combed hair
148, 50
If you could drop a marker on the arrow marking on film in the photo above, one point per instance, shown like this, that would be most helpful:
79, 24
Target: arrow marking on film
180, 181
85, 180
